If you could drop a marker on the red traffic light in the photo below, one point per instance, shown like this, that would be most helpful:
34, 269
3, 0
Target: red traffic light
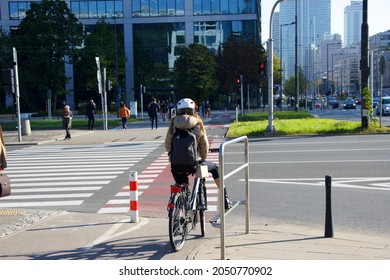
263, 68
262, 65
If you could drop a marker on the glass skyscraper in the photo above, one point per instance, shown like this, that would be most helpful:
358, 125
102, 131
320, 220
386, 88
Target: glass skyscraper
313, 19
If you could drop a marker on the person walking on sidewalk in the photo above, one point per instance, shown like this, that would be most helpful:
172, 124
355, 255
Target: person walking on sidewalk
153, 110
187, 119
124, 114
67, 121
91, 107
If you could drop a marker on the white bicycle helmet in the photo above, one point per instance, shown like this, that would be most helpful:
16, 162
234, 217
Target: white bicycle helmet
186, 103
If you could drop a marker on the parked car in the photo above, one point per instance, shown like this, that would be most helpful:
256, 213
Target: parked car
385, 106
333, 103
349, 103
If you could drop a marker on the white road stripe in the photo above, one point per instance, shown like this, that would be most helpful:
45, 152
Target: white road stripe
66, 189
42, 203
47, 196
65, 183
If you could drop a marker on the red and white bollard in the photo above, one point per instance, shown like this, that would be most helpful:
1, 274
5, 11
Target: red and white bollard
133, 185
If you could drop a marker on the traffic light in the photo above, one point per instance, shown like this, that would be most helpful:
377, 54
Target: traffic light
8, 80
238, 85
263, 68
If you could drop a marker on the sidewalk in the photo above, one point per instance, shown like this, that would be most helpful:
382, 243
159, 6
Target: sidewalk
267, 242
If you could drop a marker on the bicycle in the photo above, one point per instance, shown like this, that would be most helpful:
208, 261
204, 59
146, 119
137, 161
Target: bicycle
185, 209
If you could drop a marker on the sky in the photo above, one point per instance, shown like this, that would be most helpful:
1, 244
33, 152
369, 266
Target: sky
378, 16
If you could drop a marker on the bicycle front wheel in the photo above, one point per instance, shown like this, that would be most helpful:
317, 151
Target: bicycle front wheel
178, 228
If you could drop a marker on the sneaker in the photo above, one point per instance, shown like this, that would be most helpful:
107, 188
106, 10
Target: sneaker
228, 204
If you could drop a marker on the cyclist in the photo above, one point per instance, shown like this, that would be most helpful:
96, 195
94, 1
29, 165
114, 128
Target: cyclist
187, 119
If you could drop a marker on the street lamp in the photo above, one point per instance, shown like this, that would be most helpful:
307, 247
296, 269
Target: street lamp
270, 74
117, 89
281, 59
327, 67
333, 55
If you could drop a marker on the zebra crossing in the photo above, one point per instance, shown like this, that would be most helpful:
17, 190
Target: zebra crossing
67, 175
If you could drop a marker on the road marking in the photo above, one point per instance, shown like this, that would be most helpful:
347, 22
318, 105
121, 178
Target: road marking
42, 172
46, 196
336, 182
42, 203
112, 233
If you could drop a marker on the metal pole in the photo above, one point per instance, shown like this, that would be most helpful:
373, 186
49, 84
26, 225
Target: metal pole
270, 74
281, 64
327, 76
242, 94
247, 94
328, 209
142, 101
116, 67
364, 65
296, 58
17, 94
104, 100
222, 201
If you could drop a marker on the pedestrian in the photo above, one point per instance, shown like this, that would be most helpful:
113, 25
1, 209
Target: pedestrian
67, 121
153, 109
124, 114
208, 109
3, 152
187, 119
91, 107
203, 108
170, 107
164, 110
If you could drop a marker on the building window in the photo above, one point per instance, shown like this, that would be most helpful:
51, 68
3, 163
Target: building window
214, 33
97, 9
207, 7
17, 10
157, 8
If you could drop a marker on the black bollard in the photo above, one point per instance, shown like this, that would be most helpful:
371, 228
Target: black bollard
328, 207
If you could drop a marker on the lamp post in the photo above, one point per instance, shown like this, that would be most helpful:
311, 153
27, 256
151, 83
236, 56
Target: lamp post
270, 69
327, 69
281, 60
117, 88
333, 55
296, 58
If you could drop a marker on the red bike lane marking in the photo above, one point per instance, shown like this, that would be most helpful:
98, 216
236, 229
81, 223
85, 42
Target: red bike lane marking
154, 189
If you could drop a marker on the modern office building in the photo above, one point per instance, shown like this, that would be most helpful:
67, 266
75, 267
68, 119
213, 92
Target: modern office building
313, 19
153, 30
380, 47
353, 18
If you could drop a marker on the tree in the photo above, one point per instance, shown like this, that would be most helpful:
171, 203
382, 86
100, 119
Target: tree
195, 73
289, 85
47, 36
100, 41
238, 57
6, 62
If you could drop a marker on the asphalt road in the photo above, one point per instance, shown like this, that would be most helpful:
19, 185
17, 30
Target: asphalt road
287, 178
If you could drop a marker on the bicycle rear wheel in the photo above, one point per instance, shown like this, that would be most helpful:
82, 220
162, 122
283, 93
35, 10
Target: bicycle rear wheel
178, 228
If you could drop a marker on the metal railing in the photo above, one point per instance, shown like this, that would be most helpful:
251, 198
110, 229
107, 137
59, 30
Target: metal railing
219, 220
